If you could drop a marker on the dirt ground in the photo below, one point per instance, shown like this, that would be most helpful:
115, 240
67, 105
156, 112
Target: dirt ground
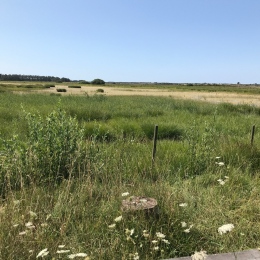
214, 97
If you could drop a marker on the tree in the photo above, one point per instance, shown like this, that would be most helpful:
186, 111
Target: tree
98, 82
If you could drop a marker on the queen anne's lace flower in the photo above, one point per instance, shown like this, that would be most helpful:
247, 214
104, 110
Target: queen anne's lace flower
43, 253
225, 228
202, 255
118, 219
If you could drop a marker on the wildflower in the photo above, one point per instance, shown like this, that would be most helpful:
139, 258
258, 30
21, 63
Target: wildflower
166, 241
77, 255
221, 182
32, 214
220, 163
118, 219
154, 241
22, 233
202, 255
29, 225
218, 157
183, 204
225, 228
183, 224
61, 246
129, 232
112, 226
44, 225
226, 177
146, 234
188, 229
156, 248
16, 202
62, 251
160, 235
125, 194
43, 253
15, 225
136, 256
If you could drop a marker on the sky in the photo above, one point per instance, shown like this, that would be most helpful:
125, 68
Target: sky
178, 41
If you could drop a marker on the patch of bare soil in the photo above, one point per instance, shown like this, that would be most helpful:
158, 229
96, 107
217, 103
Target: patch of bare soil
214, 97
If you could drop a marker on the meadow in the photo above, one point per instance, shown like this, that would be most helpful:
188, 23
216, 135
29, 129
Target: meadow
67, 162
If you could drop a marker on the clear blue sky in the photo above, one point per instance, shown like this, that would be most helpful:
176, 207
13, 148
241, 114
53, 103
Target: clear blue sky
216, 41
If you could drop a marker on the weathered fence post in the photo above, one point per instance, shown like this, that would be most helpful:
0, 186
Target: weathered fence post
253, 134
155, 135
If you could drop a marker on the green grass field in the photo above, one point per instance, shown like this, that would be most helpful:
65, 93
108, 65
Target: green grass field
65, 162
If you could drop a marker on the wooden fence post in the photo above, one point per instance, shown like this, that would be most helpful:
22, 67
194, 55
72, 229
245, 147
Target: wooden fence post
253, 134
155, 135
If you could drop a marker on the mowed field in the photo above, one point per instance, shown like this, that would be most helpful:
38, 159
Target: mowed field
214, 97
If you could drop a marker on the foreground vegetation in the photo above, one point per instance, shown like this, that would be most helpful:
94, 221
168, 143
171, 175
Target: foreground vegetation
66, 161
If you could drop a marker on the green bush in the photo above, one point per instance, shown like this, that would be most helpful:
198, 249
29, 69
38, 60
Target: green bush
98, 82
53, 151
100, 90
61, 90
73, 86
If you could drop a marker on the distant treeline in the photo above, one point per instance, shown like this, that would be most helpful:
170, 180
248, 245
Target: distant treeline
17, 77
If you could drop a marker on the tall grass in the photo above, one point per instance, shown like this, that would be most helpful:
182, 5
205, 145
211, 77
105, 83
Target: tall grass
96, 148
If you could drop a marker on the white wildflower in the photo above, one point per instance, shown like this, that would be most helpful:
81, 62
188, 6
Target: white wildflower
156, 248
112, 226
166, 241
154, 241
61, 246
125, 194
43, 253
29, 225
183, 224
22, 233
146, 234
129, 232
62, 251
221, 182
15, 225
226, 177
16, 202
160, 235
77, 255
220, 163
218, 157
32, 214
118, 219
225, 228
183, 204
188, 229
202, 255
136, 256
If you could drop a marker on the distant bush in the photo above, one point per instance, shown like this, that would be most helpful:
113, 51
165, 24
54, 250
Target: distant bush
100, 90
83, 82
49, 86
98, 82
73, 86
61, 90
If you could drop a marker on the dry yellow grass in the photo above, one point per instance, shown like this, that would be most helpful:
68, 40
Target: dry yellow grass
214, 97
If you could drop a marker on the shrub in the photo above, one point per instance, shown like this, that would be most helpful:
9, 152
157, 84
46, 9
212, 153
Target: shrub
54, 151
61, 90
49, 86
74, 86
100, 90
98, 82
